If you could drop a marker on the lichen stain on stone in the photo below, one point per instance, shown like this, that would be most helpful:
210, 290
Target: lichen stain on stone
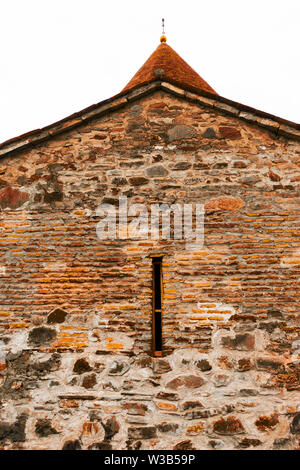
228, 426
265, 423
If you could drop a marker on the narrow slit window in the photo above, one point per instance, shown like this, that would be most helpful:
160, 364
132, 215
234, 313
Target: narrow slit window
157, 306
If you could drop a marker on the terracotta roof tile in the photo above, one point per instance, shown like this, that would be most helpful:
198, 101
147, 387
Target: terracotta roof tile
166, 64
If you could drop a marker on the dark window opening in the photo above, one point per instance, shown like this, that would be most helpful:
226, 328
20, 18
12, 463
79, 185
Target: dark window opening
157, 305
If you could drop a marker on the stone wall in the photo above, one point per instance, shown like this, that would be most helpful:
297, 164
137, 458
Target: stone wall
76, 366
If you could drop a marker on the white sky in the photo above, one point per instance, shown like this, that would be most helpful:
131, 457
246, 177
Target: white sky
60, 56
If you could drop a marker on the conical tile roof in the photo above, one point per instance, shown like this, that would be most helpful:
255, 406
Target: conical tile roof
166, 64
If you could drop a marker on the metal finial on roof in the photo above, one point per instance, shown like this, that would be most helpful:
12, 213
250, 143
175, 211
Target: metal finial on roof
163, 37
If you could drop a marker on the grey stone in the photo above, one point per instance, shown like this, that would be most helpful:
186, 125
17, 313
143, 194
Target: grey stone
53, 196
81, 366
168, 427
100, 446
191, 405
275, 313
248, 392
184, 445
72, 445
111, 428
44, 367
207, 413
221, 380
181, 132
270, 326
182, 166
89, 381
268, 364
216, 444
136, 110
241, 342
135, 419
282, 443
295, 424
43, 428
118, 368
14, 432
119, 181
161, 366
156, 171
209, 134
203, 365
41, 335
168, 396
142, 432
249, 180
138, 181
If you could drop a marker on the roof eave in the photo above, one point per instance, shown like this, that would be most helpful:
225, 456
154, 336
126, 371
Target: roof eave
278, 126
